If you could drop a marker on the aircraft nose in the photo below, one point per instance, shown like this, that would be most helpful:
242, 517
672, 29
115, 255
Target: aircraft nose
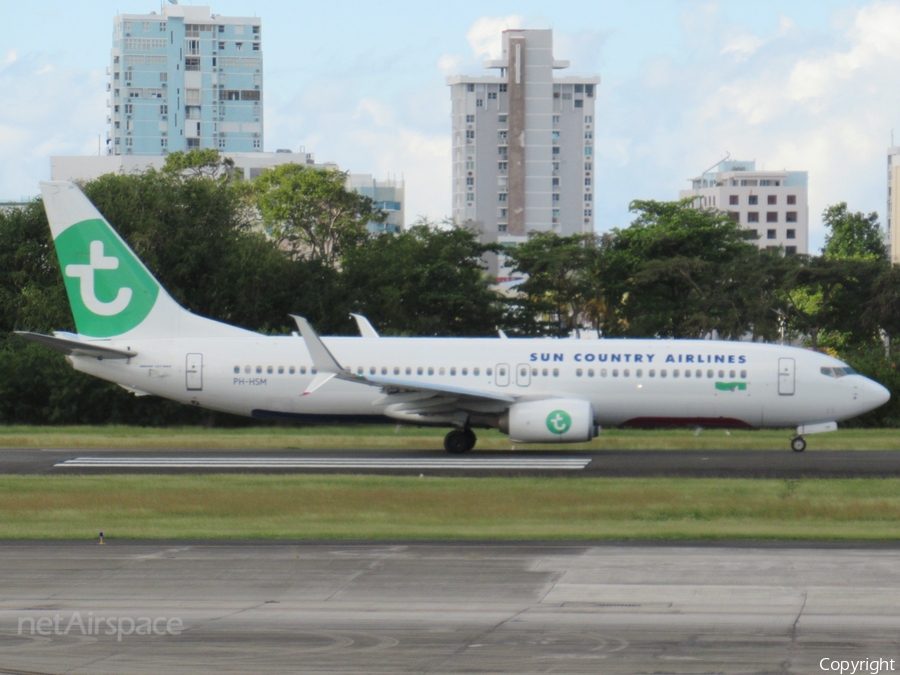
874, 394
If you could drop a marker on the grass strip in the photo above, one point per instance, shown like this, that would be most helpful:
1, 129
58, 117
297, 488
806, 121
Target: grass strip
412, 438
380, 507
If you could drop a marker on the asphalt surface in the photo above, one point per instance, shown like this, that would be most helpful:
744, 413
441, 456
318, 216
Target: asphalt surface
630, 463
445, 608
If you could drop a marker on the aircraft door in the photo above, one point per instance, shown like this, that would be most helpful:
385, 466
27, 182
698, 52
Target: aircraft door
786, 377
193, 370
502, 376
523, 374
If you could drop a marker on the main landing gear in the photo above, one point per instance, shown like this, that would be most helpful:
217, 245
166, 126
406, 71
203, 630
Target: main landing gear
459, 441
798, 444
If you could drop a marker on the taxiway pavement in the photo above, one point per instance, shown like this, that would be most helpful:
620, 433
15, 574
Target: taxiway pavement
447, 608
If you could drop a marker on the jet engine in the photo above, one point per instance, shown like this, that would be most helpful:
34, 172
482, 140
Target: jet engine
555, 420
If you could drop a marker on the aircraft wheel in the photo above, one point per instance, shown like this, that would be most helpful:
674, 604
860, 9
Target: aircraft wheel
456, 442
471, 439
798, 444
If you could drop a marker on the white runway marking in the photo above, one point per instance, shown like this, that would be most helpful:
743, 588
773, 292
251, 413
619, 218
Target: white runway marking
502, 463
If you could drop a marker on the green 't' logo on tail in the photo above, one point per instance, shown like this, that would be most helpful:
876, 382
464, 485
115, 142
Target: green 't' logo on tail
559, 422
109, 290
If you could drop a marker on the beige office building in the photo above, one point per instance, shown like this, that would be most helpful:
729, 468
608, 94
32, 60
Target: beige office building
773, 204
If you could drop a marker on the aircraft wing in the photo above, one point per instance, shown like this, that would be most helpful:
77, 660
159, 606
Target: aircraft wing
402, 395
74, 347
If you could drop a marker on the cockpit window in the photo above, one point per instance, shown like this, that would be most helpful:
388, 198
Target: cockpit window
837, 372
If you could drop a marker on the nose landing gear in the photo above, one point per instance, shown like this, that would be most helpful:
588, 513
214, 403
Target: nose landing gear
798, 444
459, 441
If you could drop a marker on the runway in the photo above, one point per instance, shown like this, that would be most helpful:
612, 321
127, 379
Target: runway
579, 464
446, 608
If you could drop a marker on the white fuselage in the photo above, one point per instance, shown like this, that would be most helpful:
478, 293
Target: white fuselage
640, 382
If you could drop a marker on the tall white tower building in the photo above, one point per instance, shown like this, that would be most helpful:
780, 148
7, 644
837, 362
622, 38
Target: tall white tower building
892, 226
523, 145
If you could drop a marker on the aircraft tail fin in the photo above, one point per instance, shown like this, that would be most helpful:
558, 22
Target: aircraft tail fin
111, 292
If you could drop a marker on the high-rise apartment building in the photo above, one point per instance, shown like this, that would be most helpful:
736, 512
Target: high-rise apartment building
185, 79
523, 145
892, 226
773, 204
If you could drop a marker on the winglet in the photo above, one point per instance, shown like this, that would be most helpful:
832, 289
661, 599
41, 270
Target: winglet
323, 360
366, 329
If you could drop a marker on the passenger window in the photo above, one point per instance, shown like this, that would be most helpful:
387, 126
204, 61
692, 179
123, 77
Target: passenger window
615, 372
675, 372
626, 373
292, 370
453, 371
312, 370
431, 371
259, 370
663, 372
544, 372
743, 374
687, 373
371, 370
465, 371
488, 371
603, 372
709, 373
639, 373
247, 369
396, 370
360, 371
721, 373
578, 372
476, 372
699, 373
269, 369
419, 370
652, 373
590, 372
383, 370
556, 372
281, 370
303, 370
731, 374
408, 370
237, 369
501, 372
441, 371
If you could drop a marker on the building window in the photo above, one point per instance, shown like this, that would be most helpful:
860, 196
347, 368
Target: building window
791, 216
733, 199
470, 181
163, 77
193, 143
502, 150
479, 102
791, 234
501, 227
792, 199
588, 197
755, 233
501, 119
588, 150
164, 142
470, 196
579, 103
555, 134
221, 46
470, 133
771, 234
773, 199
129, 108
753, 216
501, 135
502, 88
771, 216
256, 144
256, 46
470, 87
588, 166
470, 119
588, 213
502, 196
587, 181
556, 119
192, 63
555, 196
589, 90
221, 142
790, 250
503, 213
588, 119
556, 181
734, 216
502, 166
556, 213
555, 149
492, 95
753, 200
163, 110
588, 135
239, 46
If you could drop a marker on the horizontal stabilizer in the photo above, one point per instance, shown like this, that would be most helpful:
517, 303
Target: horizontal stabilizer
76, 347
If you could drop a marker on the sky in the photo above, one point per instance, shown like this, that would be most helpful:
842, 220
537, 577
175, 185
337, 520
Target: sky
804, 85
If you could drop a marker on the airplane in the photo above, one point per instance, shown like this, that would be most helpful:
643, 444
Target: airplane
536, 390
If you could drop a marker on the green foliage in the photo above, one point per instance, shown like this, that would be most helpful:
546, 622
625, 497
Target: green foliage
425, 281
852, 235
310, 212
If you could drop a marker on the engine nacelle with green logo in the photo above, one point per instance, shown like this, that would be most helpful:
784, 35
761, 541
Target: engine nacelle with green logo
556, 420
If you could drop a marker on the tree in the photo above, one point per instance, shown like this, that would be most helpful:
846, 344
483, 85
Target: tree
310, 212
208, 163
425, 281
852, 235
678, 271
562, 280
